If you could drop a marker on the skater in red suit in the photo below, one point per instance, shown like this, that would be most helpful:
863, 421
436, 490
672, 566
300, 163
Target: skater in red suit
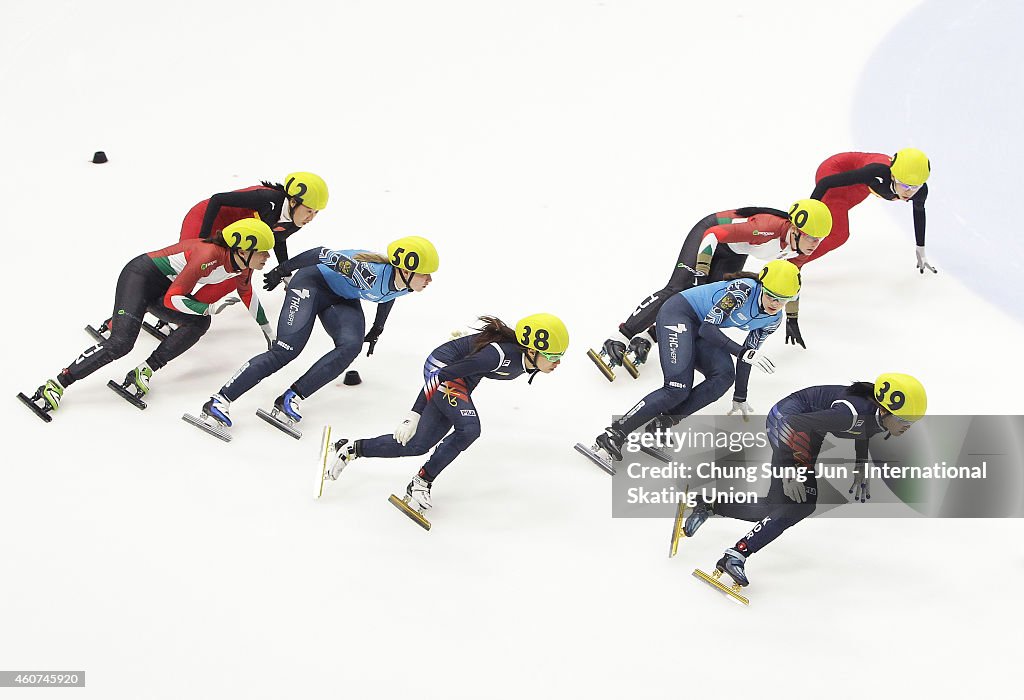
846, 179
284, 208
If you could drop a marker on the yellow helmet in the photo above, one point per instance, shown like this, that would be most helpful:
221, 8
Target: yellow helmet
545, 333
901, 395
812, 217
248, 234
415, 254
307, 188
910, 166
781, 279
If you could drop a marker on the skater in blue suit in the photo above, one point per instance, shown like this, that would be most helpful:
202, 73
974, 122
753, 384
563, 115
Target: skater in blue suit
327, 284
690, 337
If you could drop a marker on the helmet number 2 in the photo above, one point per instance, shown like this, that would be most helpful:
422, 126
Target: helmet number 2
410, 261
894, 401
540, 338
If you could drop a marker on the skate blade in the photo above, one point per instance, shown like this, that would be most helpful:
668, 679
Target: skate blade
595, 458
656, 453
153, 331
96, 335
605, 369
325, 450
280, 424
127, 395
413, 514
216, 431
630, 366
35, 409
678, 531
713, 581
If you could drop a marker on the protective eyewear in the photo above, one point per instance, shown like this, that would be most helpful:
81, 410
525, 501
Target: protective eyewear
551, 356
900, 188
776, 297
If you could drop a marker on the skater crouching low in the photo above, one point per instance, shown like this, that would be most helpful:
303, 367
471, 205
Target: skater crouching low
327, 284
162, 282
444, 413
797, 427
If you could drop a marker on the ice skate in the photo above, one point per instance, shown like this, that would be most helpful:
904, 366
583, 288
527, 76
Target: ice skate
322, 464
701, 512
285, 413
159, 330
606, 450
101, 333
731, 563
415, 502
636, 355
344, 453
45, 399
214, 418
608, 358
134, 386
677, 524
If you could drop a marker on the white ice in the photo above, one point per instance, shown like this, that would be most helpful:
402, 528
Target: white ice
557, 153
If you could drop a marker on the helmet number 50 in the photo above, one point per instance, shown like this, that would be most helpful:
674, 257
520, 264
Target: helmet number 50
410, 261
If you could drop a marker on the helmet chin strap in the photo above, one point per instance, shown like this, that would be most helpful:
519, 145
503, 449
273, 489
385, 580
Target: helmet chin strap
405, 280
536, 370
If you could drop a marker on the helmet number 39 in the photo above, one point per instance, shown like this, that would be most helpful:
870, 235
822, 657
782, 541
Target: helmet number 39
894, 401
540, 338
409, 260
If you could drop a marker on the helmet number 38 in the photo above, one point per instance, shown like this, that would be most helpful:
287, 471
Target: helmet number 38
893, 401
409, 260
540, 338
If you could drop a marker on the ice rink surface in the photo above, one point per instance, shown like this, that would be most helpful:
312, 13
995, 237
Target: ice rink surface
556, 153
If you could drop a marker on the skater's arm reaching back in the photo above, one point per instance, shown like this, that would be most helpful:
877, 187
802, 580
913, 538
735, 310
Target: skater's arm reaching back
877, 176
260, 200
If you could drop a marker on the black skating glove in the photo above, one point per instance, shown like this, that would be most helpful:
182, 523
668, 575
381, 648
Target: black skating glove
372, 337
793, 332
273, 278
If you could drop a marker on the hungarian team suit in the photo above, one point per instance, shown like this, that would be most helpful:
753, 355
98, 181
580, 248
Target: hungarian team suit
690, 337
450, 374
168, 283
797, 426
328, 284
723, 241
844, 181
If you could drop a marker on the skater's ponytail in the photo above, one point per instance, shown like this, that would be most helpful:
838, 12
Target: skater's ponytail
865, 390
494, 331
370, 258
272, 185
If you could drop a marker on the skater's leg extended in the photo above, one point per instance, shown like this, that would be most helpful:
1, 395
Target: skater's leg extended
677, 331
303, 301
433, 425
719, 370
138, 284
345, 323
682, 278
